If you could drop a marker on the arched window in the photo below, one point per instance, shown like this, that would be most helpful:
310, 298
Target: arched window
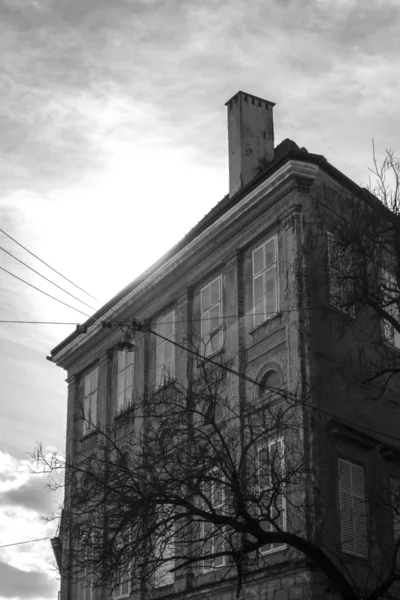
271, 379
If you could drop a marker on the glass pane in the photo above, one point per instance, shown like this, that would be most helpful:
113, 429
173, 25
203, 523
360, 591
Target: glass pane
129, 376
258, 260
205, 298
270, 292
120, 399
120, 382
259, 312
129, 358
269, 253
215, 317
215, 290
121, 361
168, 349
258, 288
87, 385
94, 377
160, 354
205, 324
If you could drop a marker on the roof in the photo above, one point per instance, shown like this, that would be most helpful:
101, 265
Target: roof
285, 151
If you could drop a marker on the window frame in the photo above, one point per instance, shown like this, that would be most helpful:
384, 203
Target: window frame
128, 367
211, 539
160, 342
90, 395
86, 590
216, 333
390, 335
273, 267
347, 516
268, 444
162, 575
339, 290
395, 482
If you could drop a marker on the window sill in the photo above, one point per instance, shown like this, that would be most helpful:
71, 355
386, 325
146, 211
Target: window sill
123, 412
264, 323
213, 356
88, 437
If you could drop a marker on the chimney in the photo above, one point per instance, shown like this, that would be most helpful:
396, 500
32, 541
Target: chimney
250, 138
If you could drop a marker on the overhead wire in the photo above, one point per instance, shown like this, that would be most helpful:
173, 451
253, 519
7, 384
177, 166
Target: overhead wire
268, 388
25, 542
46, 278
45, 293
49, 266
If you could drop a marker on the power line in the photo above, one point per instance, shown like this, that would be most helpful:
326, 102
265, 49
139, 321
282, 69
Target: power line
26, 542
49, 280
249, 379
47, 265
38, 322
45, 293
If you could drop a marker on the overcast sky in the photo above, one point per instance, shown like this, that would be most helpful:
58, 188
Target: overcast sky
113, 145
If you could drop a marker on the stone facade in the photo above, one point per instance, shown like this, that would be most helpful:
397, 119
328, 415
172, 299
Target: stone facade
298, 342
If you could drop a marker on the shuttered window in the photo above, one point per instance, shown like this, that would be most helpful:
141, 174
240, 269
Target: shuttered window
165, 355
90, 384
340, 270
272, 502
352, 508
390, 297
211, 316
265, 281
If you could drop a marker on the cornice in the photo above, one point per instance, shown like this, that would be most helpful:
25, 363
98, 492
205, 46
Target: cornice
293, 174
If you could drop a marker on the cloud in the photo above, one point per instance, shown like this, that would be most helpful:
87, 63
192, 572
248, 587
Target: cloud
21, 584
26, 570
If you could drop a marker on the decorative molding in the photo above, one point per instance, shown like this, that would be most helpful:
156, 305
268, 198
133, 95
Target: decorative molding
292, 175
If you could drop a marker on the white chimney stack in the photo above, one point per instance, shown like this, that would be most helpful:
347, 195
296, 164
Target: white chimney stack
250, 138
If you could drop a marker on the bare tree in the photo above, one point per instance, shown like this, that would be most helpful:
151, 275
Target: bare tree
186, 481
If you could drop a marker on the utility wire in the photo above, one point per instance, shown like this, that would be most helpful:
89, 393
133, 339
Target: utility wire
249, 379
26, 542
45, 293
47, 265
37, 322
49, 280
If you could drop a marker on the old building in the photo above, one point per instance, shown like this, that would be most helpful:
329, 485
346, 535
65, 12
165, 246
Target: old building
263, 262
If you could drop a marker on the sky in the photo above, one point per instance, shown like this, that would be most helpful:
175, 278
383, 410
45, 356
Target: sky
113, 145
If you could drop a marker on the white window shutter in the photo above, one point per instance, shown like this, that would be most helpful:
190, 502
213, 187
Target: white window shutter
352, 508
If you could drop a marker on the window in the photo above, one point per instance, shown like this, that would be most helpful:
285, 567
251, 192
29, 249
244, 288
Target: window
165, 355
85, 585
122, 588
340, 271
213, 541
165, 550
390, 297
90, 400
125, 379
265, 281
272, 502
352, 508
211, 316
395, 506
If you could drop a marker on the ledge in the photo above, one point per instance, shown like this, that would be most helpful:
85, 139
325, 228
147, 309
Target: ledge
264, 323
